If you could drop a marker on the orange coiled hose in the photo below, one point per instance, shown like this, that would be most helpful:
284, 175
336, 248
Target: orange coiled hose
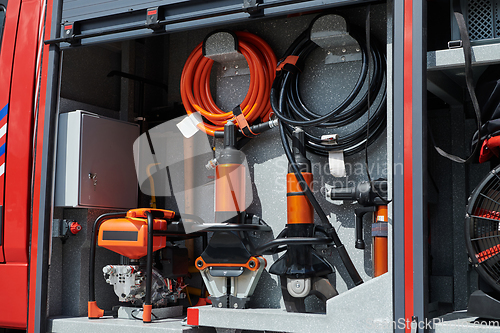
195, 84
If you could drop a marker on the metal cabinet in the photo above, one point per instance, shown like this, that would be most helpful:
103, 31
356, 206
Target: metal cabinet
95, 162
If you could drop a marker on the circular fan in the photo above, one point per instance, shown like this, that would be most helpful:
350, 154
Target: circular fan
482, 228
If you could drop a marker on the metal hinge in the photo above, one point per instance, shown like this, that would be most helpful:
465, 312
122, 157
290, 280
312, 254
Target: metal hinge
71, 29
153, 19
252, 7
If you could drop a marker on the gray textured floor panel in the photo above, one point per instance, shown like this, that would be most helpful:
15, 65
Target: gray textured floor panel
370, 301
112, 325
460, 322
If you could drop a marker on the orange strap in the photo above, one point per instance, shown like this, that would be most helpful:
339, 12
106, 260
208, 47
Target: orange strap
243, 123
290, 60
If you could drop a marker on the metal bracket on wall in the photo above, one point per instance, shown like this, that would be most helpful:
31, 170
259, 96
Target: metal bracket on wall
222, 47
62, 228
330, 32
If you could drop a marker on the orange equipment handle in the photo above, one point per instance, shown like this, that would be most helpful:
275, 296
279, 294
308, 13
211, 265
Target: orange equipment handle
94, 311
299, 208
146, 313
379, 232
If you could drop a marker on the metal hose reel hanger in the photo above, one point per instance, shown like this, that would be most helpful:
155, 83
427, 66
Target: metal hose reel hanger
229, 265
340, 131
338, 121
238, 53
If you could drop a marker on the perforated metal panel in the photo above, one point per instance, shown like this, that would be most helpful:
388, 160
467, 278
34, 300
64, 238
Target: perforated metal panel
480, 19
497, 19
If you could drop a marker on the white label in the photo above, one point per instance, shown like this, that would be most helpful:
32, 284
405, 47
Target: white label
336, 163
330, 139
188, 126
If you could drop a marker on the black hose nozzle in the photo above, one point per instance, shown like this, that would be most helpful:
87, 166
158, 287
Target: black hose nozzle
366, 194
360, 212
369, 195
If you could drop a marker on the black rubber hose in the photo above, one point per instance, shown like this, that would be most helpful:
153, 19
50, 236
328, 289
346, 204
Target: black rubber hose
149, 259
291, 241
290, 108
344, 256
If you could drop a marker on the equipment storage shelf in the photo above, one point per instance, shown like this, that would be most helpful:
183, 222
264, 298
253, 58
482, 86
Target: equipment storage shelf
454, 190
226, 212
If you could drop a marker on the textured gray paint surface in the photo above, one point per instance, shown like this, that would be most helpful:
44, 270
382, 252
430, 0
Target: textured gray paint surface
460, 322
454, 58
111, 325
398, 159
69, 269
342, 314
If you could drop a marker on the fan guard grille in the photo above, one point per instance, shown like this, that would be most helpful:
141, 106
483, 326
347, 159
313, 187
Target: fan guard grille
483, 228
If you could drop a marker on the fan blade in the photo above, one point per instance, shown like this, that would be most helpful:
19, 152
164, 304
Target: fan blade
487, 254
485, 218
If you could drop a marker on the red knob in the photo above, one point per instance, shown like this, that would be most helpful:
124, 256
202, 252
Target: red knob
75, 228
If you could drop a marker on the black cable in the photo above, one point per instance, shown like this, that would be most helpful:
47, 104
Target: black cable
332, 233
367, 31
290, 108
93, 245
290, 241
149, 259
141, 310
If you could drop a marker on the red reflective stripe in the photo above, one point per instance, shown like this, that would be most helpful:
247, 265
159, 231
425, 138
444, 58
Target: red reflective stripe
193, 316
68, 27
152, 12
408, 159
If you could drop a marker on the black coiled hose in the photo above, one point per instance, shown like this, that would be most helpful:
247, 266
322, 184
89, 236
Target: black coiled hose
290, 108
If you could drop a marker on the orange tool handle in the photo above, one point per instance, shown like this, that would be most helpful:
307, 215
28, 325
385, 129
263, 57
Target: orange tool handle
380, 265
